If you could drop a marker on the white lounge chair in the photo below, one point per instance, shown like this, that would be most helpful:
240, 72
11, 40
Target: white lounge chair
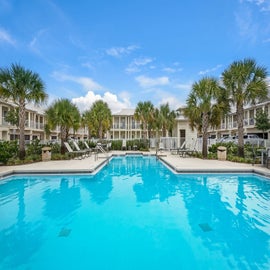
176, 151
73, 153
189, 150
86, 151
161, 147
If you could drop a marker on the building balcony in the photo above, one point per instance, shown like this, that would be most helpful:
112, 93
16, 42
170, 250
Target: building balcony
4, 122
251, 121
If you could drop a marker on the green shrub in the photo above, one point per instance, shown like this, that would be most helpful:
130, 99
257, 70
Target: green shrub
212, 156
230, 146
116, 145
14, 161
34, 148
55, 148
58, 156
8, 149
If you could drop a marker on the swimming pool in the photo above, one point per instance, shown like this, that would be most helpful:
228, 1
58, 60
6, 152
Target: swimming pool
135, 214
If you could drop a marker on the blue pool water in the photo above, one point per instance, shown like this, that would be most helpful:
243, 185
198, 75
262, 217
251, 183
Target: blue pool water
135, 214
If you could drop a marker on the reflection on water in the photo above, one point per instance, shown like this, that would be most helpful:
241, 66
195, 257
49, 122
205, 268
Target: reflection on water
135, 205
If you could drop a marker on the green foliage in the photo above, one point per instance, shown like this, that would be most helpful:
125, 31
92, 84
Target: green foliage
34, 148
98, 119
32, 158
262, 121
59, 156
91, 144
164, 119
8, 149
205, 107
14, 161
66, 115
212, 156
138, 144
245, 82
12, 116
55, 148
21, 86
230, 146
145, 113
116, 145
252, 153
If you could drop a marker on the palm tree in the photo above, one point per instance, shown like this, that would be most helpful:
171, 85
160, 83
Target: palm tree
204, 107
144, 113
64, 114
22, 86
245, 82
88, 122
99, 118
167, 118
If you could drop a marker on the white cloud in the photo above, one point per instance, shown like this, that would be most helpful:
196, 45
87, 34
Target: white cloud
173, 102
133, 67
150, 82
37, 41
264, 5
252, 28
119, 51
169, 70
85, 82
142, 61
6, 38
114, 103
248, 28
203, 72
172, 70
184, 87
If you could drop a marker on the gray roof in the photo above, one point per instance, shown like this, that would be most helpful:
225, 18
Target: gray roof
125, 112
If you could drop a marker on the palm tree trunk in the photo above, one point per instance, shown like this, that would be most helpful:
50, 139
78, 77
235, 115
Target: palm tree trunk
22, 128
240, 120
205, 124
164, 131
63, 139
100, 131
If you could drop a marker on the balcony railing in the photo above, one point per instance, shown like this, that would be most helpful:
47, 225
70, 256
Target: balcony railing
128, 127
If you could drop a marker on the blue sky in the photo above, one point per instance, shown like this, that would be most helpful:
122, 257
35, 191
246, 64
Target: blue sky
126, 51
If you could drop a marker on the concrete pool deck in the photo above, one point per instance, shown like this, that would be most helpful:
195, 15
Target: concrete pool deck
92, 164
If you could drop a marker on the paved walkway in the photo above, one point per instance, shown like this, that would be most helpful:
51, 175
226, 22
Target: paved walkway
92, 164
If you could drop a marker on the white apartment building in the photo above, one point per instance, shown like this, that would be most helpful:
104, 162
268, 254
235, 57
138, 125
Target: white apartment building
228, 125
34, 124
124, 126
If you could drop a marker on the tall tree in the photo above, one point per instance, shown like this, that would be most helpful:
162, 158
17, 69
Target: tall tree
99, 118
262, 121
22, 86
64, 114
245, 82
87, 121
144, 113
204, 107
167, 118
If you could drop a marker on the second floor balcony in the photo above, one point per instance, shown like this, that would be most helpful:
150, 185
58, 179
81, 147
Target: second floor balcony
127, 127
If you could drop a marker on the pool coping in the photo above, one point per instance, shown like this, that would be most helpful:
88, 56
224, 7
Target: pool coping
179, 170
106, 159
92, 170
